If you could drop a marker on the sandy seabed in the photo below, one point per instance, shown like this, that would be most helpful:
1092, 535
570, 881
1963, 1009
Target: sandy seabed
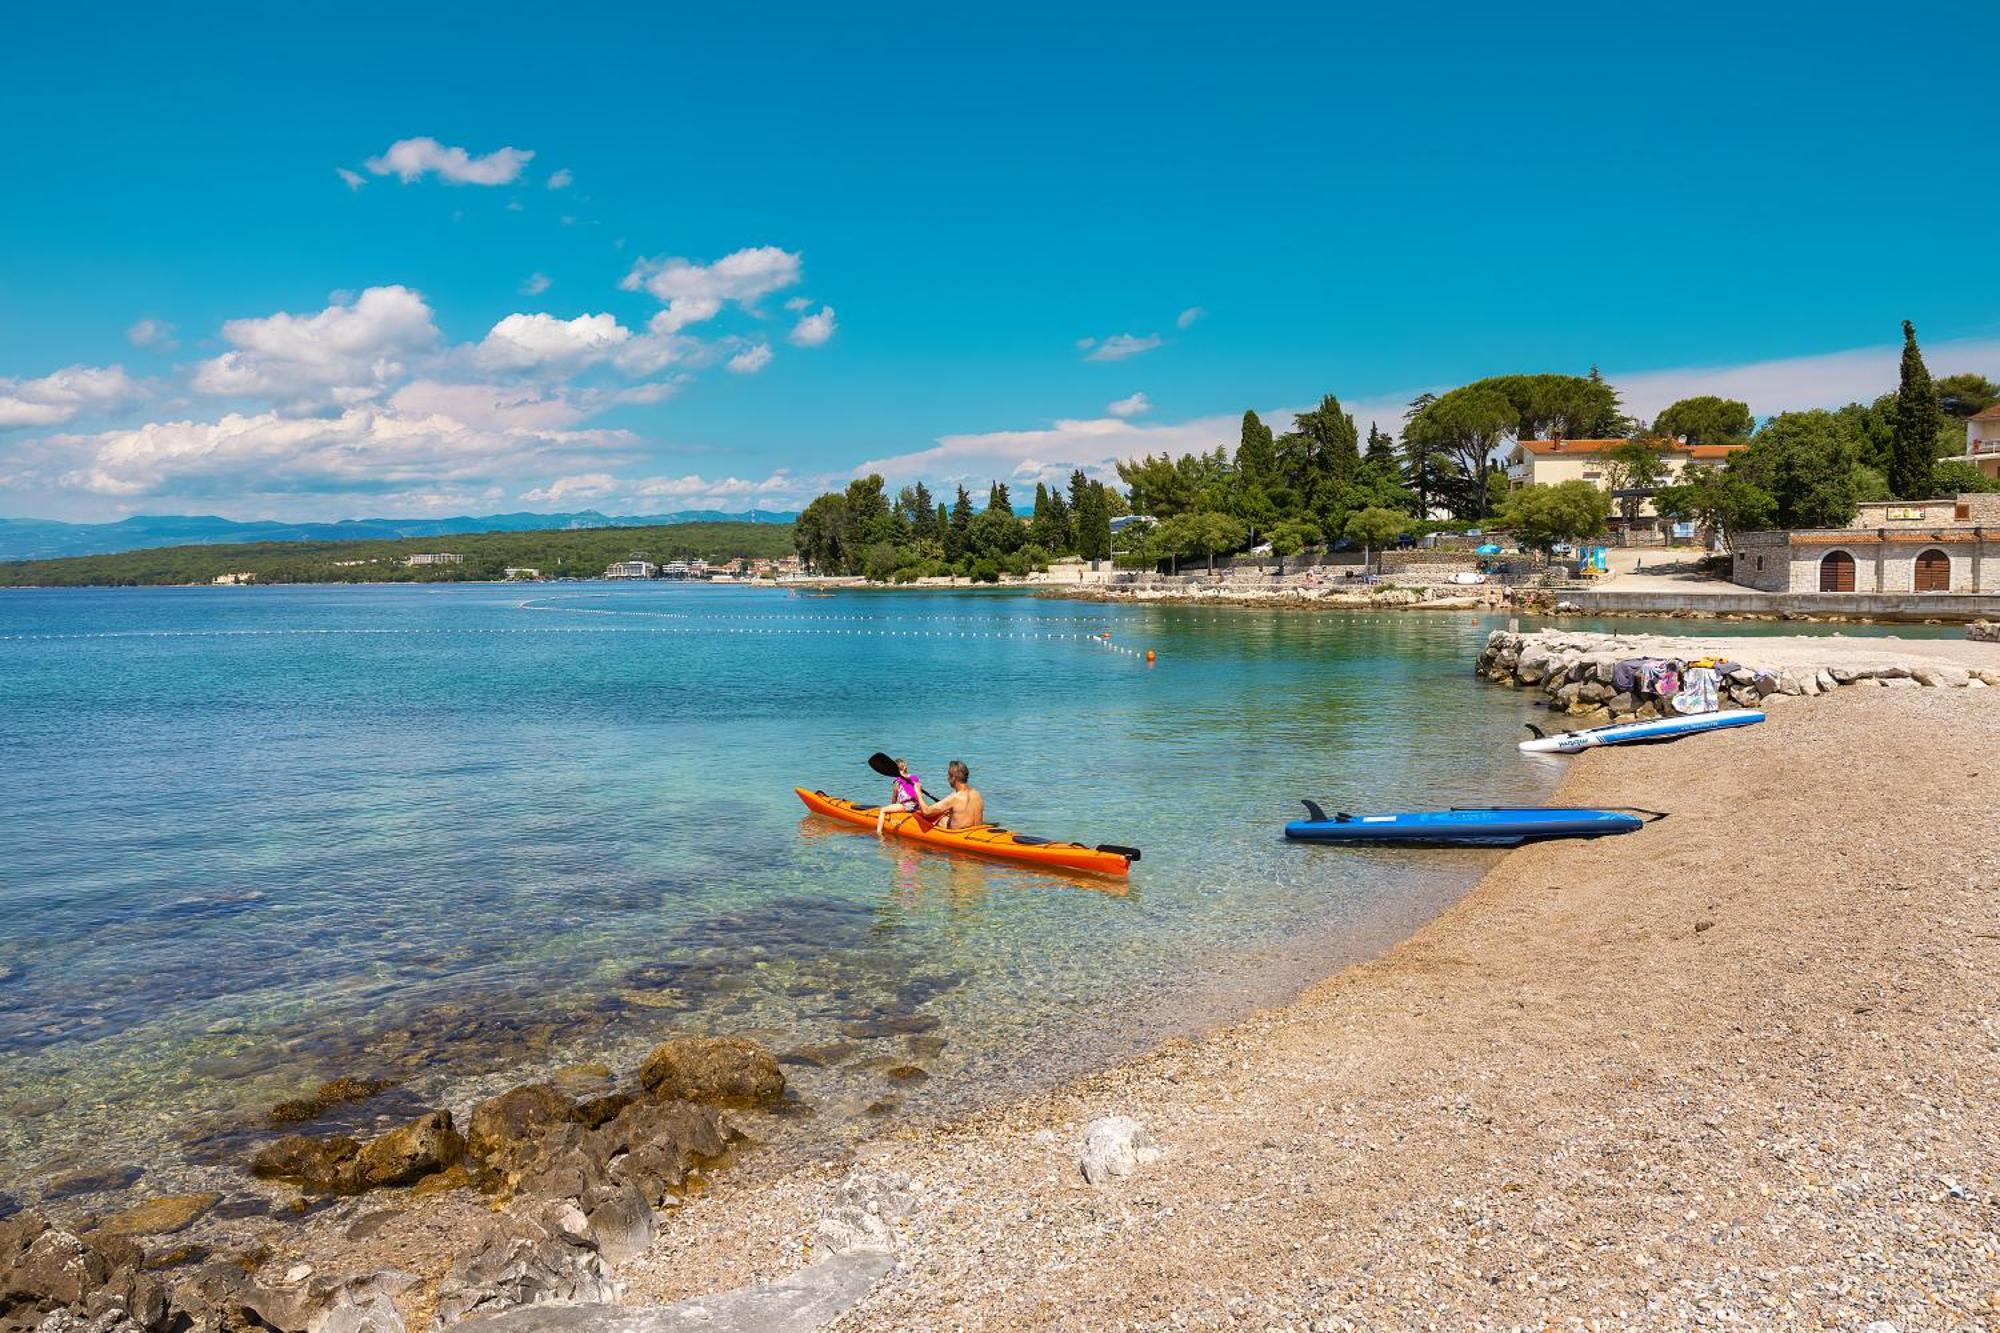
1740, 1069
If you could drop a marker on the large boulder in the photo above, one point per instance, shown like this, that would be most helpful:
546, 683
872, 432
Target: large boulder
654, 1146
47, 1271
1114, 1147
526, 1260
717, 1071
403, 1156
505, 1132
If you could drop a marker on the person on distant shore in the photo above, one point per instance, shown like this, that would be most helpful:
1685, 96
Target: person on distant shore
965, 807
907, 794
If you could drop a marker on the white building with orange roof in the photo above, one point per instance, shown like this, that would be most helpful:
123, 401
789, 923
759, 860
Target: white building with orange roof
1982, 440
1551, 462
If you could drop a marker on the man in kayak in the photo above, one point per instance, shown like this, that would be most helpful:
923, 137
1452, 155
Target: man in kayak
965, 807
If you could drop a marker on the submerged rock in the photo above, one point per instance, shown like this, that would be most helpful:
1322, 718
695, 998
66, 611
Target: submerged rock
332, 1093
718, 1071
159, 1217
321, 1164
90, 1180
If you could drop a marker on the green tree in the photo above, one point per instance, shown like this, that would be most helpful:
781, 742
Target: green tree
1291, 537
1467, 425
1721, 501
1914, 437
1962, 395
819, 533
1706, 420
1090, 507
1260, 487
1636, 465
1807, 462
1958, 476
918, 511
1374, 527
958, 531
997, 532
997, 497
1545, 516
1428, 470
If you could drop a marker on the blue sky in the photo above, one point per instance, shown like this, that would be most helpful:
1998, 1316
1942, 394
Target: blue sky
928, 214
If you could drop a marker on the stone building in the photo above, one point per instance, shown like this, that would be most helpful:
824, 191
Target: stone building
1893, 546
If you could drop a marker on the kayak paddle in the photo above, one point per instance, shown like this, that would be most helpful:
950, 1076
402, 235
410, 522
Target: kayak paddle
886, 766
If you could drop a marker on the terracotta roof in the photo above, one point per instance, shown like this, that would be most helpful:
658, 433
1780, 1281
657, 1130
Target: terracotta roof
1547, 448
1989, 414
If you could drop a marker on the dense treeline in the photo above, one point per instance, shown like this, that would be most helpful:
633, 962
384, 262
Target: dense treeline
862, 531
1323, 482
576, 553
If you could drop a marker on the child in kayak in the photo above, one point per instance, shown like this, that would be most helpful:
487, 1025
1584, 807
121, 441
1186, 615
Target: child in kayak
908, 794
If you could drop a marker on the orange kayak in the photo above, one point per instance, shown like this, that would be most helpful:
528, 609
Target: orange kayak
981, 840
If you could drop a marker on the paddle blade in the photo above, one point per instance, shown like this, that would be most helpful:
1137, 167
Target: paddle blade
882, 764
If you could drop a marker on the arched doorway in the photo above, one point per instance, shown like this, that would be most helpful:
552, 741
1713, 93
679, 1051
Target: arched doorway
1933, 571
1836, 572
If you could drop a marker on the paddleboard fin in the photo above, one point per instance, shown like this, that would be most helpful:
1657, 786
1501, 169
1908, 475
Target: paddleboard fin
1539, 733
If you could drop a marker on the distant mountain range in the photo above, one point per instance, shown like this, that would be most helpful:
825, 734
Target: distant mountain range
43, 539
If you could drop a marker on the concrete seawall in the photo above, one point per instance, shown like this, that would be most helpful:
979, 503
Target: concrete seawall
1948, 607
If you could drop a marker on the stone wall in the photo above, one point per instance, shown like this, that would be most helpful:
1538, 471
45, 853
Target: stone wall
1574, 672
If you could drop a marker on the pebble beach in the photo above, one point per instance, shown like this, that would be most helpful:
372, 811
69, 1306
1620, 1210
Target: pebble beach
1739, 1070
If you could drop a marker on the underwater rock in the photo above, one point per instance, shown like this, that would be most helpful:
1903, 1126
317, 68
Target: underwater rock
407, 1154
322, 1164
159, 1217
718, 1071
90, 1180
332, 1093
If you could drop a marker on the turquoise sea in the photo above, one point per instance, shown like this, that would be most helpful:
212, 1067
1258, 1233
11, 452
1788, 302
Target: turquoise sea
461, 835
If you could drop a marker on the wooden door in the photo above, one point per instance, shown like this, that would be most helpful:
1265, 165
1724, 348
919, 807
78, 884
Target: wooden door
1933, 571
1836, 572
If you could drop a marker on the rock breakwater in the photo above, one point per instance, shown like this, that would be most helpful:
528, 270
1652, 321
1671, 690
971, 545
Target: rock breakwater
1578, 672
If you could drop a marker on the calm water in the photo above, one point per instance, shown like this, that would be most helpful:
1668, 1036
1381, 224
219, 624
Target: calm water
250, 839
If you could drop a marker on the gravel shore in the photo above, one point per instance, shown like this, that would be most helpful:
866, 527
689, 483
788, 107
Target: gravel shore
1740, 1069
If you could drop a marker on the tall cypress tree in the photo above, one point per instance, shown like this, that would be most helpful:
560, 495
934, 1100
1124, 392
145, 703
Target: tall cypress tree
958, 533
1914, 433
997, 498
923, 513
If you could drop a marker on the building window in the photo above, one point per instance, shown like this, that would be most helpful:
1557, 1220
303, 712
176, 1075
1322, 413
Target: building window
1961, 511
1760, 564
1836, 572
1933, 571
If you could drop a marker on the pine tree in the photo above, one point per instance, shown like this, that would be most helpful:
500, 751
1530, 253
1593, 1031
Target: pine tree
923, 514
1916, 422
958, 533
996, 498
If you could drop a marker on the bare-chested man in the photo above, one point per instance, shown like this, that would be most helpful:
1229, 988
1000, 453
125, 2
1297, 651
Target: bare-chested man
965, 807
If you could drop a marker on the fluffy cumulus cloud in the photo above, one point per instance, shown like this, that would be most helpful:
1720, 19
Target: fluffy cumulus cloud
813, 330
696, 292
751, 359
412, 159
535, 284
561, 179
1118, 347
54, 399
1052, 453
346, 352
1137, 405
545, 343
363, 449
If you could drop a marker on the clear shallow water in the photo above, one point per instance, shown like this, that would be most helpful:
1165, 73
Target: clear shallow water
254, 838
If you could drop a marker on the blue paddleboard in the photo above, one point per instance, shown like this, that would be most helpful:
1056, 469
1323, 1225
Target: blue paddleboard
1500, 826
1631, 733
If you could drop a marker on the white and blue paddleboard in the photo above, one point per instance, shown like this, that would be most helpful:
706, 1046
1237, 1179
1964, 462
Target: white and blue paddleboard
1630, 733
1497, 826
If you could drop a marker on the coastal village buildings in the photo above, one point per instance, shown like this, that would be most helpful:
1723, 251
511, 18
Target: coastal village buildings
233, 580
1551, 462
1893, 546
1982, 440
632, 569
436, 558
527, 572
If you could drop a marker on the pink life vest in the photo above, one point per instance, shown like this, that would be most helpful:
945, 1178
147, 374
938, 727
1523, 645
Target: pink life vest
910, 789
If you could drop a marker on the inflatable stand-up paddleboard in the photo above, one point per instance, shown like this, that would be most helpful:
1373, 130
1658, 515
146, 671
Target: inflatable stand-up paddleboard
1637, 733
1486, 826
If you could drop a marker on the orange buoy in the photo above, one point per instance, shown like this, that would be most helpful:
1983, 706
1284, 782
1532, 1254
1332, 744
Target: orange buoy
1149, 657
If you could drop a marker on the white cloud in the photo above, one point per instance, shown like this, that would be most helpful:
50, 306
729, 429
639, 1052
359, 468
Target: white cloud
1119, 346
798, 303
1188, 316
560, 179
354, 180
493, 407
813, 330
660, 346
348, 351
63, 395
543, 342
697, 292
361, 450
1054, 452
1134, 406
1791, 383
412, 159
536, 284
642, 494
151, 333
751, 359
